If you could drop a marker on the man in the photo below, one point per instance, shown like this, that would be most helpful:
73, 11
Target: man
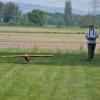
91, 36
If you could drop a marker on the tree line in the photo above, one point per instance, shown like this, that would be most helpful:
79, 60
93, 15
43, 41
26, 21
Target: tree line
10, 14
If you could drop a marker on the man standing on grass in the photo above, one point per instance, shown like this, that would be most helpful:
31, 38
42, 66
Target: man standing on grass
91, 36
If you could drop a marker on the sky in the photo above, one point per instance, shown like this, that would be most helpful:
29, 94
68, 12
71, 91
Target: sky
84, 5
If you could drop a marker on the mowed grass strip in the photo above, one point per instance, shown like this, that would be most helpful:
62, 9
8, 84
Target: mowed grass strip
52, 30
66, 76
50, 83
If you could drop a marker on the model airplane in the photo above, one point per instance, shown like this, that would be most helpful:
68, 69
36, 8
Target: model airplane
27, 57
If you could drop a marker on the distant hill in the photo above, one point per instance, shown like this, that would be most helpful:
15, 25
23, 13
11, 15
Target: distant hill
26, 7
29, 7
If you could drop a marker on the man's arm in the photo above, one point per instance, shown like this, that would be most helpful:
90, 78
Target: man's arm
97, 35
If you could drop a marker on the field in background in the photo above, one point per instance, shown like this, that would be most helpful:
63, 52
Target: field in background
66, 76
49, 38
51, 30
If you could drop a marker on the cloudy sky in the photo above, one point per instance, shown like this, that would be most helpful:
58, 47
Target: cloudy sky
84, 5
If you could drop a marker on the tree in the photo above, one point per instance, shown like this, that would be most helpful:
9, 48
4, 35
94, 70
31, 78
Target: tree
1, 11
24, 20
85, 20
37, 17
54, 19
11, 12
68, 13
98, 20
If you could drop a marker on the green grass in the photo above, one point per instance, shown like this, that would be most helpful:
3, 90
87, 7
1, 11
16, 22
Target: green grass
42, 30
66, 76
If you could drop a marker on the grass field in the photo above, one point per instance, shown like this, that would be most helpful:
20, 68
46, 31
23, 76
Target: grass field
66, 76
46, 30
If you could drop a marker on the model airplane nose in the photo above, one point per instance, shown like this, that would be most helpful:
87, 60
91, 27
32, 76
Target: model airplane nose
27, 58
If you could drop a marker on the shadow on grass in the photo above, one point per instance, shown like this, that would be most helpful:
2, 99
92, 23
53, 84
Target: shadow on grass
59, 59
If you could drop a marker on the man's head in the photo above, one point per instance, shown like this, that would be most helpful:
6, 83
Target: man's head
91, 26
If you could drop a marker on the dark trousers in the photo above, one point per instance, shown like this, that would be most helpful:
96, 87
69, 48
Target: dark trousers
91, 49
